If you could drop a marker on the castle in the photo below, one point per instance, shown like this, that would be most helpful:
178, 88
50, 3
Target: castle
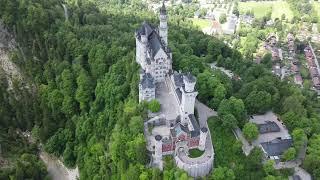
175, 130
153, 55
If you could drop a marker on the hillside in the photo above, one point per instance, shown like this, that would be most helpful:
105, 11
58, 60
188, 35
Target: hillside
85, 110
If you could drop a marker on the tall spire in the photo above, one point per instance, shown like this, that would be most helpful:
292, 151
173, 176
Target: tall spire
163, 10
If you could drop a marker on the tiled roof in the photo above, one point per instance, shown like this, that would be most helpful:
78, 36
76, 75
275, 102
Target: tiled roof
268, 127
147, 81
277, 147
163, 10
195, 125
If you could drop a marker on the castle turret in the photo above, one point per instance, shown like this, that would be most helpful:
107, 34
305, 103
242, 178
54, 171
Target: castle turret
163, 28
203, 137
188, 95
189, 82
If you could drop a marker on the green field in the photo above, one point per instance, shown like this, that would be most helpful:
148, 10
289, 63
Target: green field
262, 8
201, 23
194, 153
316, 6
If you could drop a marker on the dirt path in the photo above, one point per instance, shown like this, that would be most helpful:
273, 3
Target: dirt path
56, 169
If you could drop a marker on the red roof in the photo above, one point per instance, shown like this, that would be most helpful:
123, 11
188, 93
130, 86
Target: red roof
216, 24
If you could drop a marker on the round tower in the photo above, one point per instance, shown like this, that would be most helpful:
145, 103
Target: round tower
163, 28
188, 95
203, 137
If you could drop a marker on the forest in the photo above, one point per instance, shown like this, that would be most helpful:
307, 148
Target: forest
86, 111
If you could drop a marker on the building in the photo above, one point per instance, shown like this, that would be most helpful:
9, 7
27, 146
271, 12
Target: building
313, 67
291, 45
275, 148
231, 25
146, 87
175, 129
247, 19
215, 28
153, 54
298, 79
270, 23
274, 138
268, 127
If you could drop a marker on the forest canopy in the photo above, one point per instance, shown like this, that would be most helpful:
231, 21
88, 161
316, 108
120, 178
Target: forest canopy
86, 105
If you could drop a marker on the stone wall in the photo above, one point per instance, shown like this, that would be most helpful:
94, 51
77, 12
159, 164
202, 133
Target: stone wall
195, 167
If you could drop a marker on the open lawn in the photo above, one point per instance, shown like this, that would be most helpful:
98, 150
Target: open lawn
316, 6
201, 23
194, 153
262, 8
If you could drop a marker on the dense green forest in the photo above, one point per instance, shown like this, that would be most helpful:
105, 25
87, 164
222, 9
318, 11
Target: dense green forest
18, 157
86, 109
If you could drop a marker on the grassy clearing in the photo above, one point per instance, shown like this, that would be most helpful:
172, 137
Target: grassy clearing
260, 9
201, 23
279, 8
194, 153
316, 7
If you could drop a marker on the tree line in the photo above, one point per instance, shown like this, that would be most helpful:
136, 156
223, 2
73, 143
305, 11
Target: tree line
84, 69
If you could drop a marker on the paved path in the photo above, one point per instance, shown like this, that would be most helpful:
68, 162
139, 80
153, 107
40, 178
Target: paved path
204, 113
304, 175
287, 164
246, 147
315, 57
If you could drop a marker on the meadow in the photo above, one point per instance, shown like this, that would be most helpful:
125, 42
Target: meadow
201, 23
260, 9
316, 7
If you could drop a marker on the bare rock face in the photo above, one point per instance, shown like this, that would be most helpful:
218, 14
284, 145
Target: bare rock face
6, 39
8, 44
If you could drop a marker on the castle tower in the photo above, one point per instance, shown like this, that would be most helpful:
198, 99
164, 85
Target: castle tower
163, 28
141, 45
188, 95
203, 137
158, 151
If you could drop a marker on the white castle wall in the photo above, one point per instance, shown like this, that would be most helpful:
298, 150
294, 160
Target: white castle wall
194, 168
203, 138
146, 94
187, 103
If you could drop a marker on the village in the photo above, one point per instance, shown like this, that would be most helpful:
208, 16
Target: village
274, 138
160, 89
